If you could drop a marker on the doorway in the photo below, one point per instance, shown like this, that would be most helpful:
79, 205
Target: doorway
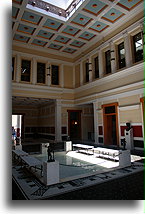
18, 126
74, 124
110, 116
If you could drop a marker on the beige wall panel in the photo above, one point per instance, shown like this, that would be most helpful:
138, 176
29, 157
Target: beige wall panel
109, 101
68, 76
100, 118
129, 100
111, 85
87, 126
133, 116
36, 93
64, 120
77, 75
30, 121
67, 96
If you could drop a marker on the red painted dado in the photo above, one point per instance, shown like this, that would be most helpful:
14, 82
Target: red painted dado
137, 131
100, 130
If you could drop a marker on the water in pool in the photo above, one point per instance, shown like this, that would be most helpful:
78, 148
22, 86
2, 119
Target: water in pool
70, 166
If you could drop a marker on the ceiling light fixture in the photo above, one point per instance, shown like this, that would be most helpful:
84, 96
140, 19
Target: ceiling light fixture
33, 3
59, 13
47, 8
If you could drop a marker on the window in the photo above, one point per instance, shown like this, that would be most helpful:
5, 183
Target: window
13, 67
121, 55
138, 47
55, 75
25, 70
96, 63
41, 72
108, 61
87, 71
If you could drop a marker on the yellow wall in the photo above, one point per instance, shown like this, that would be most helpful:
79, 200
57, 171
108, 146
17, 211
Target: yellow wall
133, 116
68, 76
77, 75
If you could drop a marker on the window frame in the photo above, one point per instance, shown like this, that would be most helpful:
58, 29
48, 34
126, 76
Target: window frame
119, 56
43, 83
94, 60
133, 47
58, 75
105, 57
24, 59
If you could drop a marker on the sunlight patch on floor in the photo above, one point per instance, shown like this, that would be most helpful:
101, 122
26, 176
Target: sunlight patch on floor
93, 160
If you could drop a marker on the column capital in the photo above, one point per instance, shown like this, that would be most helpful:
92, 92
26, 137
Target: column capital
58, 102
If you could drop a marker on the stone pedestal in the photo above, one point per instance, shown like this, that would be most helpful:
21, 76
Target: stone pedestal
68, 146
124, 158
50, 172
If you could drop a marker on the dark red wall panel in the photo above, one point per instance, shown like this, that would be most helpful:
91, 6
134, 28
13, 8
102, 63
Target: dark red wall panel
137, 131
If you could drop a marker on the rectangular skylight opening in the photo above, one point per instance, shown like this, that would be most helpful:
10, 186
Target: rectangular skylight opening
61, 3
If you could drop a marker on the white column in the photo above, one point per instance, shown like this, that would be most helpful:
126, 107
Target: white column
62, 76
81, 73
34, 71
58, 120
113, 58
48, 71
100, 64
96, 132
18, 68
127, 46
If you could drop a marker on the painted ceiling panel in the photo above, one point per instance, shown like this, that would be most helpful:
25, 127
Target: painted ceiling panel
62, 39
113, 15
39, 42
77, 43
70, 30
21, 38
25, 29
71, 33
15, 11
45, 34
52, 24
31, 18
99, 26
130, 4
95, 7
81, 20
69, 50
87, 36
55, 46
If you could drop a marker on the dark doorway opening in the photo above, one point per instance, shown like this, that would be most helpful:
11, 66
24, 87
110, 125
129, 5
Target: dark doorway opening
74, 124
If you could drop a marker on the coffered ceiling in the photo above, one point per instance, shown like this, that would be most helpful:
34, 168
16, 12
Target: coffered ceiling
68, 32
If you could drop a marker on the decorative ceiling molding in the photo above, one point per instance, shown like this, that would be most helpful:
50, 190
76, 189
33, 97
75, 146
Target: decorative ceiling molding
69, 34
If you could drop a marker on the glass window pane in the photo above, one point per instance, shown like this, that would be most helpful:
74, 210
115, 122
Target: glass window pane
108, 61
55, 75
109, 109
40, 72
96, 62
138, 47
121, 55
87, 72
25, 70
